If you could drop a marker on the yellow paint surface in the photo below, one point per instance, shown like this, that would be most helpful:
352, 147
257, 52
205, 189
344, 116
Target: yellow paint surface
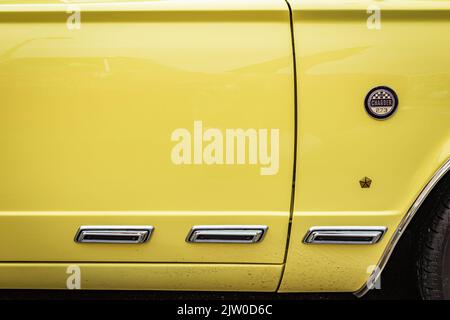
338, 61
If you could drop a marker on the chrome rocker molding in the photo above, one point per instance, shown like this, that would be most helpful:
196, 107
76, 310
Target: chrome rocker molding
401, 228
114, 234
226, 234
344, 235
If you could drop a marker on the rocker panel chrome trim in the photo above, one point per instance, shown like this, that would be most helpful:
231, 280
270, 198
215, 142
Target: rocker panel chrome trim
401, 228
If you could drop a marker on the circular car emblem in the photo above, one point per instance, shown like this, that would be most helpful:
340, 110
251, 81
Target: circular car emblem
381, 102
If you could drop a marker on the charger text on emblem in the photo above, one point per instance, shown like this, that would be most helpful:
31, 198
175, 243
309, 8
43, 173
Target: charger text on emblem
381, 102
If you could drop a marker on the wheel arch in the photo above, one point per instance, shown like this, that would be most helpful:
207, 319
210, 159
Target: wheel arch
411, 219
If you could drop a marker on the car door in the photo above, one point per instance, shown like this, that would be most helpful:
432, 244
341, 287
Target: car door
172, 118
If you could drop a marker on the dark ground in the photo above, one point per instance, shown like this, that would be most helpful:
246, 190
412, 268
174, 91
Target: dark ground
163, 295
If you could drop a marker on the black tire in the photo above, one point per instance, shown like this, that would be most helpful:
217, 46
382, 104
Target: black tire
433, 262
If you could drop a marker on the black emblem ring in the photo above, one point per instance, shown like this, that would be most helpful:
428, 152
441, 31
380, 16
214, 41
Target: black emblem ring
381, 102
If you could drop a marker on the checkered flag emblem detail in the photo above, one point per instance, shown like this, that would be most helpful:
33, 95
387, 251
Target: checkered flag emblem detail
382, 95
381, 102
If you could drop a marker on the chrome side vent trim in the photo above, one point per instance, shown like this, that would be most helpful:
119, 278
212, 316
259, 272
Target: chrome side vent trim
226, 234
113, 234
344, 235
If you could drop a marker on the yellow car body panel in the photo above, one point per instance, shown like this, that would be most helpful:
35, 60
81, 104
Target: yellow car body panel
139, 276
87, 117
55, 231
339, 59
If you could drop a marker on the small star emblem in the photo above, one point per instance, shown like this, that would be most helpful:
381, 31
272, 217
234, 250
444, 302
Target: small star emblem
365, 182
